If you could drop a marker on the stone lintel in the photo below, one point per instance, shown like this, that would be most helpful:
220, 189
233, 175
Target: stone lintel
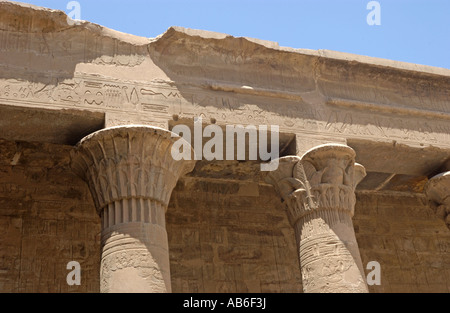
131, 173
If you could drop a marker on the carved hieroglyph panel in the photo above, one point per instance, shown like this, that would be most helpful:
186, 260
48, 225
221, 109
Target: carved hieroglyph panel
160, 101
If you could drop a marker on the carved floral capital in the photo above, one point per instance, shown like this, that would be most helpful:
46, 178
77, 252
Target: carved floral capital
129, 162
438, 194
323, 178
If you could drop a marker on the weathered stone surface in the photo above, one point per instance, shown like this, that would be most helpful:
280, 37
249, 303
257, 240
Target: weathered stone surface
47, 219
60, 82
399, 231
318, 191
131, 174
101, 70
438, 193
403, 234
224, 242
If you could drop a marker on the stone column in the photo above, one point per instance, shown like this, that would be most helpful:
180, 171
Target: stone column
438, 194
318, 191
131, 174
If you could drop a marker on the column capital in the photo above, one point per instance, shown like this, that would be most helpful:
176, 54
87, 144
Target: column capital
438, 194
325, 177
129, 162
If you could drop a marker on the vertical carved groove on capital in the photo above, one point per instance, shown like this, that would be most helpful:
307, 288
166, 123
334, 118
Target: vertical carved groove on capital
131, 174
318, 191
438, 194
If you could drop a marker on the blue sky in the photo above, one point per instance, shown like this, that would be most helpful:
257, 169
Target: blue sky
416, 31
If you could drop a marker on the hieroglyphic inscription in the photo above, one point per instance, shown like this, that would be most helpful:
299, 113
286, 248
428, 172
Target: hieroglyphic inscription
318, 192
13, 41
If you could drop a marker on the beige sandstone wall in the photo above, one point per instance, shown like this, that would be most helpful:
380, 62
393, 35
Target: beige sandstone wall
223, 236
47, 219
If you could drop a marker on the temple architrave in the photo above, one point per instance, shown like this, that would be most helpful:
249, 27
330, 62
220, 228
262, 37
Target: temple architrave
356, 200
